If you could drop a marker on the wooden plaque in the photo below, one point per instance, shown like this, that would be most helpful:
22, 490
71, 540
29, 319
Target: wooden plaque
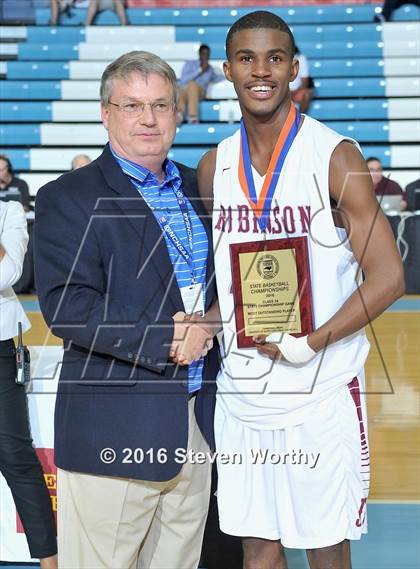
271, 288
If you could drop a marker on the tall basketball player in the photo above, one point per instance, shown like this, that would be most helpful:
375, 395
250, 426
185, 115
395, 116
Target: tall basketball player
292, 408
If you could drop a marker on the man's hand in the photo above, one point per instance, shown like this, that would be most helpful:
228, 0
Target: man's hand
197, 319
179, 334
192, 339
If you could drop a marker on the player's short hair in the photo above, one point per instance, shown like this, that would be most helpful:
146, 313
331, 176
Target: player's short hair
141, 62
261, 19
202, 47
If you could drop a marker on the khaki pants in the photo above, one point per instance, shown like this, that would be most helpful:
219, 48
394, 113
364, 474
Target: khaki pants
189, 97
107, 522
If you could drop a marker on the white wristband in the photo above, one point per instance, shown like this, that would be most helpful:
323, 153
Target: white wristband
294, 350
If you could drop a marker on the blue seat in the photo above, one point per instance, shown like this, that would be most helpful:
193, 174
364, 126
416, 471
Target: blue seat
189, 156
330, 32
352, 67
329, 49
47, 51
55, 34
326, 14
357, 87
209, 111
25, 112
349, 109
363, 131
18, 157
383, 152
37, 70
23, 90
204, 133
20, 134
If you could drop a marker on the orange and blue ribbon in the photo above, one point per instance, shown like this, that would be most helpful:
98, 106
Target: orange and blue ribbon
261, 206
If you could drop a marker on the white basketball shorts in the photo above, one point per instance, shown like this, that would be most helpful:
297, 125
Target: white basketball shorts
305, 485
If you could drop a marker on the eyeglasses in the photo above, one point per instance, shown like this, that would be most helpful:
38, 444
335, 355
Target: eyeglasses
137, 109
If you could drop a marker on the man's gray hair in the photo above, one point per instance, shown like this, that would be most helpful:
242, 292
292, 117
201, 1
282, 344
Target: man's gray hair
141, 62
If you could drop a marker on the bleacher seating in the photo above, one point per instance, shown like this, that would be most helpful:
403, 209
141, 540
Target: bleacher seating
366, 79
325, 88
226, 16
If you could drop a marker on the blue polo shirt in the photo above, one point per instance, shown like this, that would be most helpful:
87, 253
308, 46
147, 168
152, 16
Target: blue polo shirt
161, 199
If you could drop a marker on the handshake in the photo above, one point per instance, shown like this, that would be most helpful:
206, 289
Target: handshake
193, 338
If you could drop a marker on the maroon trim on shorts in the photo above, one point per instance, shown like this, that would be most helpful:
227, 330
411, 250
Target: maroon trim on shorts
354, 388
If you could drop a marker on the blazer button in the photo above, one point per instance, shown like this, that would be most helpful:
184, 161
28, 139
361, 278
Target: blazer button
130, 355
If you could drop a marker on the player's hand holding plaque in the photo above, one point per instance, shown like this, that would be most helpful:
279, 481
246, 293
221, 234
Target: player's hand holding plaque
271, 288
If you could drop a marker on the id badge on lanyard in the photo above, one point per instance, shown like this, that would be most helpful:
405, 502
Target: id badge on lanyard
192, 295
193, 299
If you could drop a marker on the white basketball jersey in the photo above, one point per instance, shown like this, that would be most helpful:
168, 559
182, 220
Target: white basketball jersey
258, 392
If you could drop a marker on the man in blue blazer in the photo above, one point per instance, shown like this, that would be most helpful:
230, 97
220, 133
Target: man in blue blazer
124, 274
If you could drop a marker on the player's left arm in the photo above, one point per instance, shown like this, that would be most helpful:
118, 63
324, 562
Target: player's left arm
373, 247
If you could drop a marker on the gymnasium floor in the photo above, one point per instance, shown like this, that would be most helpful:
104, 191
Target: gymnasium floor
392, 376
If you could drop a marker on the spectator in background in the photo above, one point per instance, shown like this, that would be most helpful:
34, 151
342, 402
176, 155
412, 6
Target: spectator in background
59, 6
384, 186
11, 187
389, 6
96, 6
80, 160
196, 76
302, 87
412, 192
19, 463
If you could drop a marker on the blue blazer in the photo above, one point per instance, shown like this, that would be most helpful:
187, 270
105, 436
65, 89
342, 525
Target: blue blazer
107, 287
